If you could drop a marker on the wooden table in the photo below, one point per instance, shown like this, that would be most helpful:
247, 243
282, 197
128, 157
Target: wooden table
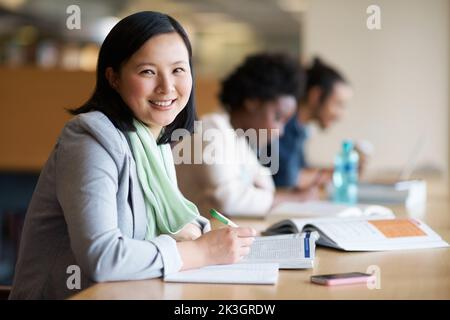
412, 274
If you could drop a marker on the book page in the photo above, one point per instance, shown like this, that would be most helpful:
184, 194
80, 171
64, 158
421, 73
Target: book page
380, 234
398, 228
293, 251
264, 273
280, 247
341, 231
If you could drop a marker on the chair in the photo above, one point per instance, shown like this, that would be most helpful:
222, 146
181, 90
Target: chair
16, 189
4, 292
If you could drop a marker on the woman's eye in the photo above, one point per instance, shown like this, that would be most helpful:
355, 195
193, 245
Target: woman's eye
148, 72
178, 70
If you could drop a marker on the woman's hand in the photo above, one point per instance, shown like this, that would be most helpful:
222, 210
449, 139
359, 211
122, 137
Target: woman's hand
314, 177
222, 246
227, 245
189, 232
363, 160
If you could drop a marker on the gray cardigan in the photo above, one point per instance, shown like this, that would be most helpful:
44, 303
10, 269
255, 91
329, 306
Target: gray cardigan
88, 210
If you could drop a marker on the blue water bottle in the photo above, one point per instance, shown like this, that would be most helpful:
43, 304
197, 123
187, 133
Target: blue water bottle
345, 175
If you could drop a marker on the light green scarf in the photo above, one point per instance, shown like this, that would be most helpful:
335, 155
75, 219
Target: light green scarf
168, 211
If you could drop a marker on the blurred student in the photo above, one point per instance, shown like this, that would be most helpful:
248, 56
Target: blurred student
223, 171
327, 93
107, 205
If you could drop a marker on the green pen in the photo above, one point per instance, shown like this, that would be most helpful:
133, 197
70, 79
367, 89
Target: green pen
222, 219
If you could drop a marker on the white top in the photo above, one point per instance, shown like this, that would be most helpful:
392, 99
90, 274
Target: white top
216, 168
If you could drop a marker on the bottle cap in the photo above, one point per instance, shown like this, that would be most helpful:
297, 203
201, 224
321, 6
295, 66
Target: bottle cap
347, 145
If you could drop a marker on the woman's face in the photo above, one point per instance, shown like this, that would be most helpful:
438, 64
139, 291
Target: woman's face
156, 81
272, 115
333, 107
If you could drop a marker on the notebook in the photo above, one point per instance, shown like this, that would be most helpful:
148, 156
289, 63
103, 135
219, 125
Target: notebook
330, 209
243, 273
260, 266
362, 234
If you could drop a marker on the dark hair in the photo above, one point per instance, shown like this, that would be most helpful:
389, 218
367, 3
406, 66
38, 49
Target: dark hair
127, 36
263, 76
322, 76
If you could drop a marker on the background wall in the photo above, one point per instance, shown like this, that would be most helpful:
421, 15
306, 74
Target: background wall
32, 112
400, 76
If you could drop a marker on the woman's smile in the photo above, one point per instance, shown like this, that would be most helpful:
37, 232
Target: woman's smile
162, 104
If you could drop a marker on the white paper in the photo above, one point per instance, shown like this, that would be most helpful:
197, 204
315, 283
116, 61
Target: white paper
330, 209
261, 273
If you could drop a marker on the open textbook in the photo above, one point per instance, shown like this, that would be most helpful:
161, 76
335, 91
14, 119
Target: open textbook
362, 234
330, 209
260, 266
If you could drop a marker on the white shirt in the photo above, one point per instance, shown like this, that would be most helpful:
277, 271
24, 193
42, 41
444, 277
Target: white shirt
216, 168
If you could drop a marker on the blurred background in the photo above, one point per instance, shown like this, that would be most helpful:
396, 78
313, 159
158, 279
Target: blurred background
399, 74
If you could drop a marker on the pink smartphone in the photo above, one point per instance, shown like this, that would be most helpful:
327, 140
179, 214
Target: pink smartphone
343, 278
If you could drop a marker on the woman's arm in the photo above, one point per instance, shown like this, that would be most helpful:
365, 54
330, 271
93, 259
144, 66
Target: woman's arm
87, 172
295, 194
314, 177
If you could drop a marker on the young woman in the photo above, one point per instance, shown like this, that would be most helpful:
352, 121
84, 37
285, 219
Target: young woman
107, 202
259, 96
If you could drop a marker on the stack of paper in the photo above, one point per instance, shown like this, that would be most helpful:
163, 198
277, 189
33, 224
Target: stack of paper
291, 251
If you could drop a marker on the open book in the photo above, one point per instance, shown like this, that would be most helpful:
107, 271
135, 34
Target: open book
362, 234
330, 209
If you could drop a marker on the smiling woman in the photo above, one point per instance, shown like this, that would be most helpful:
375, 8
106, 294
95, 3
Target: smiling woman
156, 81
107, 201
141, 62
